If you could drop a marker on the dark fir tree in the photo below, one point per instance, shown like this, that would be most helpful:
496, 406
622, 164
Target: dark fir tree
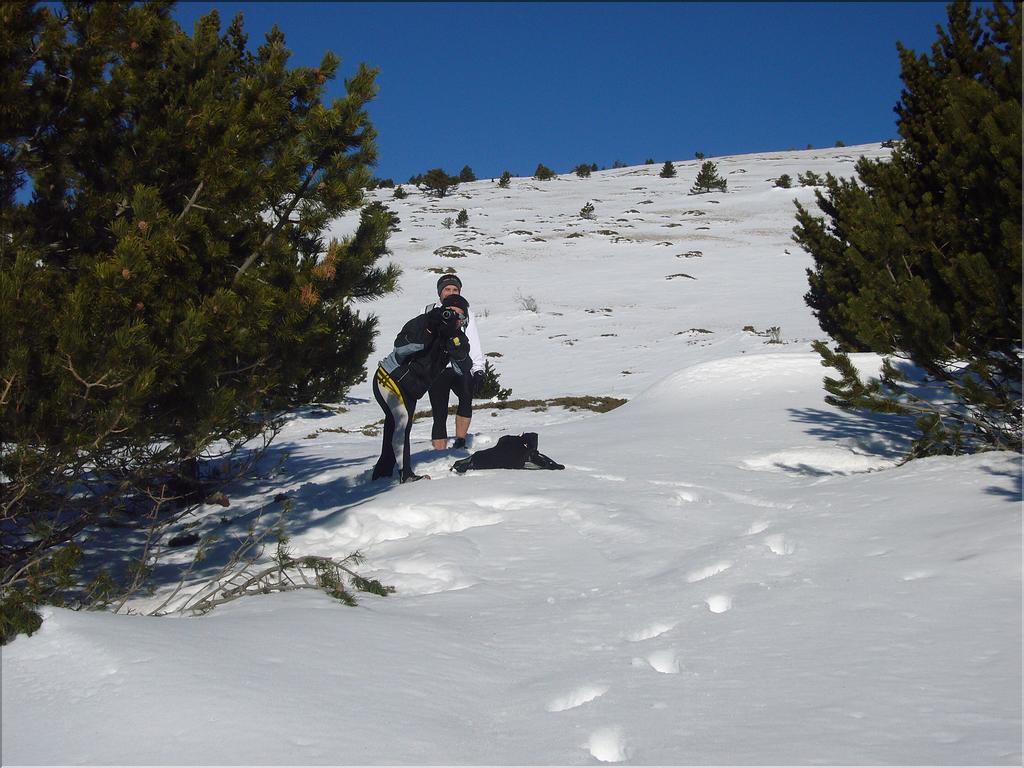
708, 179
920, 261
400, 193
505, 180
491, 387
785, 181
668, 170
587, 211
809, 179
462, 220
466, 174
165, 285
583, 171
437, 182
543, 173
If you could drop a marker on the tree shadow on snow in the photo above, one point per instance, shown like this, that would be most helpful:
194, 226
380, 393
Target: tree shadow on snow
885, 435
1015, 491
888, 436
322, 491
317, 496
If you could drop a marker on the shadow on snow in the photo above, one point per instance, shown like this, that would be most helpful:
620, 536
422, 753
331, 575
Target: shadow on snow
887, 436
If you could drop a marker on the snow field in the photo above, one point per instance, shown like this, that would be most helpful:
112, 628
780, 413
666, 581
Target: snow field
728, 571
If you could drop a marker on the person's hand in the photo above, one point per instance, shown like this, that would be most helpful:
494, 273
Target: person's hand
478, 382
434, 318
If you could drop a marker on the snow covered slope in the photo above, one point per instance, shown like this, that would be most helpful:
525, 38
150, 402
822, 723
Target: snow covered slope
728, 571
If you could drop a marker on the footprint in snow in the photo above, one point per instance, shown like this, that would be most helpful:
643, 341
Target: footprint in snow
608, 745
707, 572
577, 698
719, 603
779, 544
649, 632
686, 497
665, 661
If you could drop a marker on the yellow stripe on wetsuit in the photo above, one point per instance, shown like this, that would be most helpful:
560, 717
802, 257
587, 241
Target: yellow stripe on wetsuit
386, 382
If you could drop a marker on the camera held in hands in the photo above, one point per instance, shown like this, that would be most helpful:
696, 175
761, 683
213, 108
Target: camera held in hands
452, 319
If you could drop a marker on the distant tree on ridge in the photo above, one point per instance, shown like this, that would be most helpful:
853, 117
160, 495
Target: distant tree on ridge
437, 182
708, 179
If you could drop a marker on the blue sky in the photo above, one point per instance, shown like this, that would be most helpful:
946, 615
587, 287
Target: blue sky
509, 85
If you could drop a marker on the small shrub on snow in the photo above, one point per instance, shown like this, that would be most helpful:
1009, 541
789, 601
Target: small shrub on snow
526, 302
543, 173
809, 179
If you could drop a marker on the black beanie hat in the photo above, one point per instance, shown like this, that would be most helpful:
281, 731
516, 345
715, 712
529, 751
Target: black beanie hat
455, 300
448, 280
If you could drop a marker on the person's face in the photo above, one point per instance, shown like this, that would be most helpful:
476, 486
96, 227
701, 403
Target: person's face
460, 315
448, 290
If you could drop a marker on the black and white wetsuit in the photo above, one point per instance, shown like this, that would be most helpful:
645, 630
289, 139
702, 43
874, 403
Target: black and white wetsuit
423, 349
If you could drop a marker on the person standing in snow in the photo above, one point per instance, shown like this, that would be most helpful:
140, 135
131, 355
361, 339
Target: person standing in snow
425, 347
452, 380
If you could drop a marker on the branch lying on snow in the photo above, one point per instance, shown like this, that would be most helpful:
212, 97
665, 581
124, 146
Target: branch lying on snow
243, 576
326, 574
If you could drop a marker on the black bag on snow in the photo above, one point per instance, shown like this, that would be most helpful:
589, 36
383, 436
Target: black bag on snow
510, 452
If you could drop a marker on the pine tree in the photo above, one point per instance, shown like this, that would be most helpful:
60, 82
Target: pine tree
543, 173
583, 171
466, 174
587, 211
167, 287
462, 220
785, 181
491, 387
708, 179
437, 182
809, 179
668, 170
505, 180
920, 260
